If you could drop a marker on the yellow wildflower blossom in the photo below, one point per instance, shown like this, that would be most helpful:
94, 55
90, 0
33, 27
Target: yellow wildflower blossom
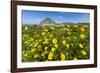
67, 53
85, 26
82, 36
54, 41
68, 25
67, 29
46, 30
35, 44
62, 57
69, 33
23, 51
32, 50
50, 56
46, 41
84, 52
53, 49
39, 46
31, 39
43, 33
36, 40
31, 44
46, 48
56, 45
82, 29
64, 42
80, 45
75, 59
43, 55
45, 52
75, 26
52, 28
36, 55
26, 27
26, 42
51, 35
67, 45
63, 37
25, 55
72, 44
46, 60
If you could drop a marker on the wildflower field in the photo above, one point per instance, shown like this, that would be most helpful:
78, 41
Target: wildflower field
55, 43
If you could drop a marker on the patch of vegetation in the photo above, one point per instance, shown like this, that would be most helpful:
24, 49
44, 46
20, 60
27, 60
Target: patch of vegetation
55, 43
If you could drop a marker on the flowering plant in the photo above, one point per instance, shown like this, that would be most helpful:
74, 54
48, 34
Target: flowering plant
52, 43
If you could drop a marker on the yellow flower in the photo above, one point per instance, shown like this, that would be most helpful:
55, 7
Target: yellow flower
75, 26
75, 59
35, 44
82, 36
46, 48
36, 55
39, 46
43, 33
31, 44
25, 55
46, 30
56, 45
67, 45
51, 35
40, 40
54, 41
46, 60
43, 55
63, 37
53, 49
45, 52
31, 39
26, 42
46, 41
23, 51
36, 40
64, 42
50, 56
62, 57
69, 33
82, 29
80, 45
85, 26
67, 29
25, 35
52, 28
26, 27
72, 44
68, 25
32, 50
84, 52
67, 53
68, 38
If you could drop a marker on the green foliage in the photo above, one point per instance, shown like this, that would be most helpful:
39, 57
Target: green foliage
55, 43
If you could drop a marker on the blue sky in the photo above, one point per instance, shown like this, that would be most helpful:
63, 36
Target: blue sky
35, 17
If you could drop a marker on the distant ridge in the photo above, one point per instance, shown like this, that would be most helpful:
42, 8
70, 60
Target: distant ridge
47, 22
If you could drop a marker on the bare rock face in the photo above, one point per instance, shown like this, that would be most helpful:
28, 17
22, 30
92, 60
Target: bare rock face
47, 22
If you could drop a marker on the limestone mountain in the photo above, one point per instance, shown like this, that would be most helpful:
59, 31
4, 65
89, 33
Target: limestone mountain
47, 22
